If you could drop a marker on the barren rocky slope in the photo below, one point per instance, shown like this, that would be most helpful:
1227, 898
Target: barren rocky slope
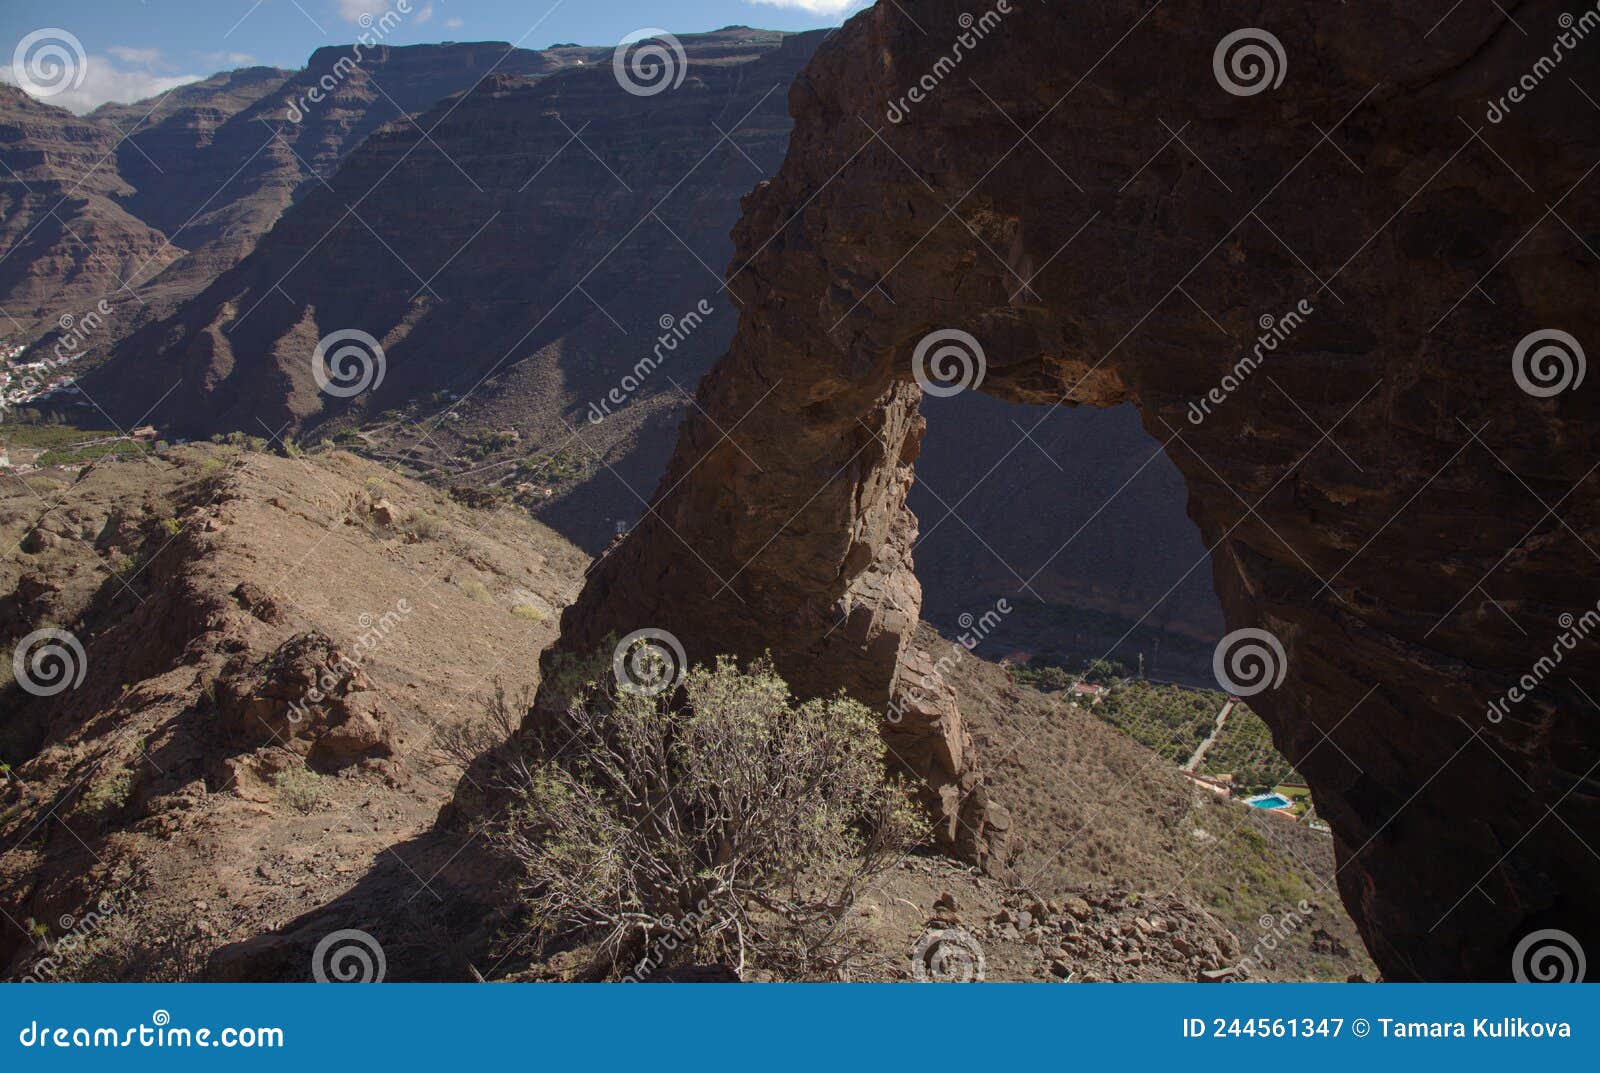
194, 809
194, 780
1400, 497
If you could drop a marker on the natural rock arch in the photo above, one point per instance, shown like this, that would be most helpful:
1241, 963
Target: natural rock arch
1082, 196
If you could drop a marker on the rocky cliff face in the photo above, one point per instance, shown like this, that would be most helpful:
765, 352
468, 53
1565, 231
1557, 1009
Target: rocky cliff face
145, 204
1112, 208
548, 280
66, 241
457, 241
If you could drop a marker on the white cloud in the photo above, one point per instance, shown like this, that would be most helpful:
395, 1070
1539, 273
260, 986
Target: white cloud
365, 13
816, 7
226, 60
453, 24
103, 80
144, 57
352, 10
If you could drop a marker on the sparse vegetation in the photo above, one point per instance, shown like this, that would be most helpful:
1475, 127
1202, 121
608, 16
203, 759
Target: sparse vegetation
476, 589
77, 456
530, 612
300, 788
485, 442
109, 792
728, 825
420, 525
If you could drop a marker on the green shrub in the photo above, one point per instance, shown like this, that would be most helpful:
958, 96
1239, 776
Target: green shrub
722, 822
300, 787
423, 526
108, 793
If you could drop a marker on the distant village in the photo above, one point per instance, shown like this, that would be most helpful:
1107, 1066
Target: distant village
32, 383
27, 383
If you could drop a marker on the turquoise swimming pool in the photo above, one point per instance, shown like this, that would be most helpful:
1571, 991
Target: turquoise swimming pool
1269, 801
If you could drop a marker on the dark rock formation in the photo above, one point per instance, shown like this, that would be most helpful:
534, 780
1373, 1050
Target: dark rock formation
1081, 194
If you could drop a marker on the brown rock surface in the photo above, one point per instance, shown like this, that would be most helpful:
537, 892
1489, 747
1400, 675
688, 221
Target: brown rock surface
1087, 201
194, 779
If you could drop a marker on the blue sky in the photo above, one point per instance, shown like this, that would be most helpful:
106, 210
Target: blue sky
136, 48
